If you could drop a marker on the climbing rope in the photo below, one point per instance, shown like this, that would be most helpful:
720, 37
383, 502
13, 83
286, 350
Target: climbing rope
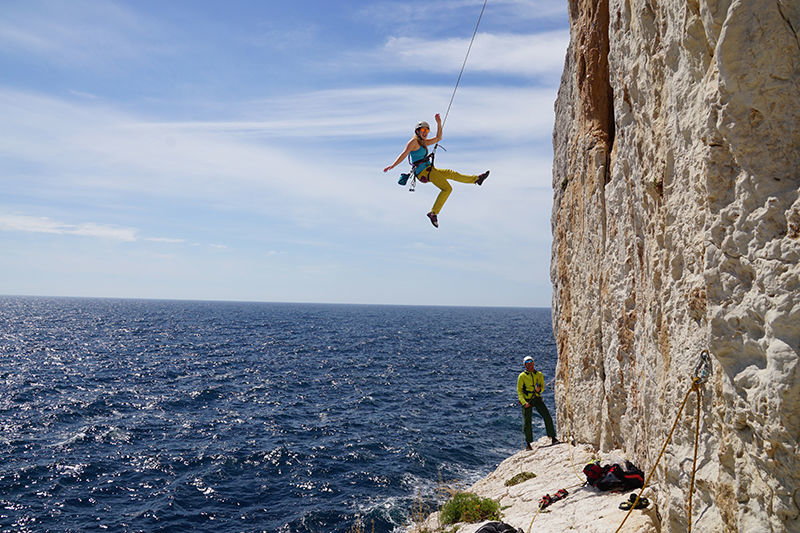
534, 518
694, 459
701, 373
458, 82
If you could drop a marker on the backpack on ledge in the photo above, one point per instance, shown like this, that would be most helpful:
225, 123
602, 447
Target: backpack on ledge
614, 477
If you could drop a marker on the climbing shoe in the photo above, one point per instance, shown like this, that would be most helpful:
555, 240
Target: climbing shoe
528, 446
434, 219
482, 178
627, 504
555, 441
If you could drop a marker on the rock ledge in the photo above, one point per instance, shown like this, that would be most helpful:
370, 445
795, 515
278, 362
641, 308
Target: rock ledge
585, 509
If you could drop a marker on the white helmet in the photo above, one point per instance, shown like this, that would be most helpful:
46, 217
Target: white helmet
422, 124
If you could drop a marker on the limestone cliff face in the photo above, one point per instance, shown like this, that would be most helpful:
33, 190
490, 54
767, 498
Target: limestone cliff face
676, 228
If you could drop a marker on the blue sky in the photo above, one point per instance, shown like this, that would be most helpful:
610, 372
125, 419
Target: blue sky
234, 150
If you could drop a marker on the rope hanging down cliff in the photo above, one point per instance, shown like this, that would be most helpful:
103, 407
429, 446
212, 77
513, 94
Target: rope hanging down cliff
701, 374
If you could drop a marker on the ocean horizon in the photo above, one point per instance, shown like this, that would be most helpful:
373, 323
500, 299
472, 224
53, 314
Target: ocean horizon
268, 302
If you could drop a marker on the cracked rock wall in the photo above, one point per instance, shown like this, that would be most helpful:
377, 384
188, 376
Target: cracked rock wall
676, 225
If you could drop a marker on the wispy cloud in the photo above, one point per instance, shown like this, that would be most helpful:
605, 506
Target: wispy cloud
79, 32
33, 224
521, 55
314, 165
171, 147
362, 113
39, 224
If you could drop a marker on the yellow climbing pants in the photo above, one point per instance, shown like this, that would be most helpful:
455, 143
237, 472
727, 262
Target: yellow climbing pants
439, 177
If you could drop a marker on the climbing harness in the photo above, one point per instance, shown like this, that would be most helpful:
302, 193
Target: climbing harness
413, 174
701, 374
432, 155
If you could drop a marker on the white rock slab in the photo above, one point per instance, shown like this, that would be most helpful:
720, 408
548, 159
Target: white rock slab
585, 509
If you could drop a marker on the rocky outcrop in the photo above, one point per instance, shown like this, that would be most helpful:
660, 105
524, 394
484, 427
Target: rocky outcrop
676, 227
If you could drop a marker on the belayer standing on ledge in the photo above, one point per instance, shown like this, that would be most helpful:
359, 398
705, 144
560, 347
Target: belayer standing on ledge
530, 385
424, 170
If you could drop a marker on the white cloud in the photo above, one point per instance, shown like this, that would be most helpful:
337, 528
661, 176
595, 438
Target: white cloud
388, 111
311, 162
280, 185
32, 224
38, 224
76, 32
540, 54
101, 147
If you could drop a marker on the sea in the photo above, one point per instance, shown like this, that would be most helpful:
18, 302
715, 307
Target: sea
156, 416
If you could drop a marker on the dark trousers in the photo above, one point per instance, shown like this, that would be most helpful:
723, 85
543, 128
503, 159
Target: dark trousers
527, 414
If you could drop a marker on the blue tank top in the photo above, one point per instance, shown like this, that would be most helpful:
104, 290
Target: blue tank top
418, 154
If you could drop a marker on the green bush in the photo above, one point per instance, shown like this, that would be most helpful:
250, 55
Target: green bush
519, 478
469, 507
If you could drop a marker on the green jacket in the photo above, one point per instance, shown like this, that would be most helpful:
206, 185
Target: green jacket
525, 385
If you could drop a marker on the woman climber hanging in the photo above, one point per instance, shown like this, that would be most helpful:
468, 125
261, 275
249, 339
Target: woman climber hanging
424, 170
